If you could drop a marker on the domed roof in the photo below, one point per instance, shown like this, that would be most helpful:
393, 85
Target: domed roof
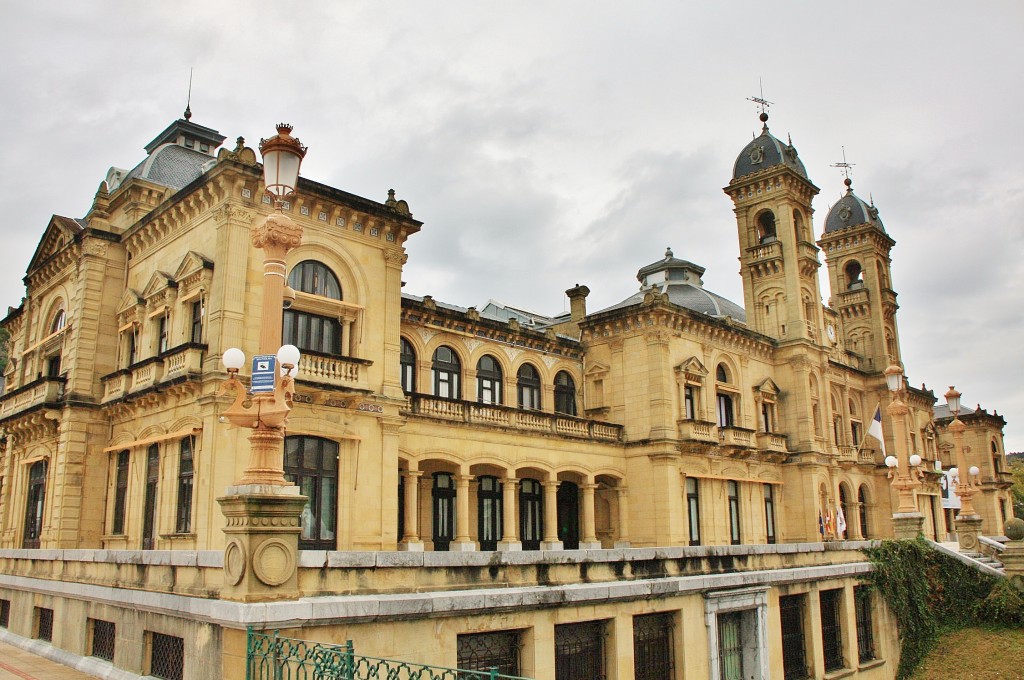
765, 152
172, 166
681, 281
851, 211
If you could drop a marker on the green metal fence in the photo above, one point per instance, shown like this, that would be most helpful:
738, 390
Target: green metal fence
273, 657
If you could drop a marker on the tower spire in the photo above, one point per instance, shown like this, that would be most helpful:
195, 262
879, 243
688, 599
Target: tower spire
762, 103
188, 102
845, 168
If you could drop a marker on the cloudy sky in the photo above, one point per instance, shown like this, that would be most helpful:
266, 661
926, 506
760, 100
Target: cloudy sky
545, 144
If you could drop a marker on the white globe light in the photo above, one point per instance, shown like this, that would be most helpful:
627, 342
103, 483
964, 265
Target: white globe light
915, 460
975, 471
890, 461
954, 472
288, 355
233, 359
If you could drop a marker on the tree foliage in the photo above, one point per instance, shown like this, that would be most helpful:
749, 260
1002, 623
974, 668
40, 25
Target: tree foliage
1017, 490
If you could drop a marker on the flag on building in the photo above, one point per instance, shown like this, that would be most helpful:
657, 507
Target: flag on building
875, 428
821, 525
840, 522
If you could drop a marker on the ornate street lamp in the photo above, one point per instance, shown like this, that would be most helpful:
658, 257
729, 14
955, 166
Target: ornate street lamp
903, 468
265, 406
967, 520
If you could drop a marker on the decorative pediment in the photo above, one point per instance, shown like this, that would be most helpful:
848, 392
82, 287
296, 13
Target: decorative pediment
692, 370
129, 301
596, 370
59, 232
193, 263
768, 388
158, 284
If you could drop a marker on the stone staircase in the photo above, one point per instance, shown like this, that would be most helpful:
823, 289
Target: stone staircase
982, 558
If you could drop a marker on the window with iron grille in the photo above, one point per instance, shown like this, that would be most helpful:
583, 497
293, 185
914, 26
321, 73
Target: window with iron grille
185, 476
652, 646
5, 613
865, 632
831, 629
44, 624
167, 657
730, 645
794, 646
484, 651
579, 651
102, 633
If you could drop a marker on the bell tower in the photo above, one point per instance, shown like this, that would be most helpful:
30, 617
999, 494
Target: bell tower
859, 270
778, 257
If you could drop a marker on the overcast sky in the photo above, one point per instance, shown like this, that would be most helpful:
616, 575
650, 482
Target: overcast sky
545, 144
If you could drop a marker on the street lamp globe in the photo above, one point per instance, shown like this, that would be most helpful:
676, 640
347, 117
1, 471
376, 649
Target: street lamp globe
282, 156
233, 359
915, 460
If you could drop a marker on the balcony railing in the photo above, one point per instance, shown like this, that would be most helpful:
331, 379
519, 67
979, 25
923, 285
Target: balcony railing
771, 442
174, 363
505, 416
332, 370
847, 454
146, 374
40, 391
736, 437
697, 430
765, 251
183, 360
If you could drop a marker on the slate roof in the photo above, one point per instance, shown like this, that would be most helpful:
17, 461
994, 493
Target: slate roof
171, 166
851, 211
765, 152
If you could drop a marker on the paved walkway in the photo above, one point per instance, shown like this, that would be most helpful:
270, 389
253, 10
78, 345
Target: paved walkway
17, 664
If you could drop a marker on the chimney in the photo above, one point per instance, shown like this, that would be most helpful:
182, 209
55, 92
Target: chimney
578, 302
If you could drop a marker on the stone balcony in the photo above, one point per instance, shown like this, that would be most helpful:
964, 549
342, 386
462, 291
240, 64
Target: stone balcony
175, 363
736, 440
494, 415
336, 371
40, 391
771, 442
697, 430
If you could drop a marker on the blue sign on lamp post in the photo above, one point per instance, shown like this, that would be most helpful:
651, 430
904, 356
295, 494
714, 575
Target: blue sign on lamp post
264, 372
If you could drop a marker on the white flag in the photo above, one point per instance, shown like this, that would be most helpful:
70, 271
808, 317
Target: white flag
875, 428
840, 522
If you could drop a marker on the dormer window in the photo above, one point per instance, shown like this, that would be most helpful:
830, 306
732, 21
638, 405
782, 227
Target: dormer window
190, 143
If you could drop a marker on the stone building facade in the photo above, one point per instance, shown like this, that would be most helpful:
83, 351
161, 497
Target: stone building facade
675, 422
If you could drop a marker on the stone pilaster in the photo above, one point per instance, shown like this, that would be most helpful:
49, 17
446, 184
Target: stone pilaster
968, 528
907, 525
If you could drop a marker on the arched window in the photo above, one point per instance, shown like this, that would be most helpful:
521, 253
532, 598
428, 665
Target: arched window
853, 272
313, 332
856, 426
568, 513
60, 319
488, 380
488, 511
798, 226
726, 413
766, 227
315, 278
408, 366
531, 514
862, 503
446, 371
722, 374
34, 504
443, 501
844, 505
311, 463
528, 387
565, 394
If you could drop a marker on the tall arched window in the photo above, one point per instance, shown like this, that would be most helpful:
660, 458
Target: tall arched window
488, 511
862, 503
443, 500
60, 319
528, 387
844, 504
311, 463
34, 504
733, 488
186, 452
315, 278
531, 514
565, 394
408, 367
313, 332
446, 371
488, 380
726, 414
766, 227
853, 275
149, 505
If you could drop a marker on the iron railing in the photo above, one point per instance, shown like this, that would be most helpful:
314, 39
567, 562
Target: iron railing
273, 657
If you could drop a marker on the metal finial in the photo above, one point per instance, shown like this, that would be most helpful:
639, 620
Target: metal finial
188, 102
763, 103
668, 253
845, 167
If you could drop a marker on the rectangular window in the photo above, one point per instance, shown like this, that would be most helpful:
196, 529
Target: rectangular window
734, 512
161, 335
312, 333
183, 525
693, 508
652, 647
831, 629
579, 651
768, 416
44, 624
794, 646
865, 632
150, 504
769, 513
120, 492
725, 414
855, 434
196, 334
102, 634
166, 657
131, 346
730, 645
690, 402
5, 613
484, 651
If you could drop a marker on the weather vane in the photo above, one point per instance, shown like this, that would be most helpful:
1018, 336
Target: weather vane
760, 101
188, 103
844, 166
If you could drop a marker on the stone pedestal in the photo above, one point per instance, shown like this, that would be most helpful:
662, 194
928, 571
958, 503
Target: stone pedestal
551, 545
907, 525
262, 530
968, 528
510, 546
411, 546
1012, 558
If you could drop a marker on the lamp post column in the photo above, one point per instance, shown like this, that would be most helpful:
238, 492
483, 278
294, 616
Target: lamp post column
907, 520
968, 522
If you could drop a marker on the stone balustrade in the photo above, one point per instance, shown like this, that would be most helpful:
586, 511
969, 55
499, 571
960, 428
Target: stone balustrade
697, 430
40, 391
332, 370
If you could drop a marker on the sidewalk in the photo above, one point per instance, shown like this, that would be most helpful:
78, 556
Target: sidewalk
17, 664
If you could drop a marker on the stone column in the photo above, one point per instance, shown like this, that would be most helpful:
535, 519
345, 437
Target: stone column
623, 498
462, 542
589, 540
1012, 556
411, 540
551, 541
509, 524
